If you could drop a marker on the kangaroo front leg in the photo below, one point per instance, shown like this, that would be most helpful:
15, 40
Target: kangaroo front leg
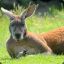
22, 53
44, 45
47, 49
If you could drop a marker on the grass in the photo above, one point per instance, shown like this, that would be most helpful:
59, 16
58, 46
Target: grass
36, 24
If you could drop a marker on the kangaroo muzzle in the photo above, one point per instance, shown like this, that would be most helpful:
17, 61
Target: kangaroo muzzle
19, 36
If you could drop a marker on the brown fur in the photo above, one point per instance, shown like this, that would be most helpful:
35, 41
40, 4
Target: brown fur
30, 43
55, 40
52, 41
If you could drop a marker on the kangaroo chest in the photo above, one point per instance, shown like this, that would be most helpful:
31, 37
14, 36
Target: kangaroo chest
30, 47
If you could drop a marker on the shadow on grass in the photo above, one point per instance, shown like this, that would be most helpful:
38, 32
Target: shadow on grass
5, 59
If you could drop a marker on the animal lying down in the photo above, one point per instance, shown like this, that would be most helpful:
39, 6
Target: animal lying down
22, 42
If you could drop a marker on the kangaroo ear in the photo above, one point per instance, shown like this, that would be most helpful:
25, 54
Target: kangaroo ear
8, 13
29, 11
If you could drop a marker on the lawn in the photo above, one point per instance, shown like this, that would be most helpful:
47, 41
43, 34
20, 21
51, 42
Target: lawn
36, 24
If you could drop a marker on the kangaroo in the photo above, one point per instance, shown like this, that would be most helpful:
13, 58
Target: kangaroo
22, 42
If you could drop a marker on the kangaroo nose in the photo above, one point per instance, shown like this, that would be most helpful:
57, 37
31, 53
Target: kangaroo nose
17, 35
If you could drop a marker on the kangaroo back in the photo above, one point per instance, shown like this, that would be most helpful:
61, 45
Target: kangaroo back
55, 40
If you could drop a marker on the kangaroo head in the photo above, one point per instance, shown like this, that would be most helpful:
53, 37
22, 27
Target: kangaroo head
17, 22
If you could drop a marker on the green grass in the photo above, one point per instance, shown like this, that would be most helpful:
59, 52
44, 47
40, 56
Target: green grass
36, 24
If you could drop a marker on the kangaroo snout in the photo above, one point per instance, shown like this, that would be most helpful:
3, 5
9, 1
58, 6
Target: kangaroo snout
18, 35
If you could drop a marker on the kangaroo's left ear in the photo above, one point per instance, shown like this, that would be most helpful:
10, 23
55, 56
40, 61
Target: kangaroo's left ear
8, 13
29, 11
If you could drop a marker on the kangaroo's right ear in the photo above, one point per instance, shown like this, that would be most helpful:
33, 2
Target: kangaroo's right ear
29, 11
8, 13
